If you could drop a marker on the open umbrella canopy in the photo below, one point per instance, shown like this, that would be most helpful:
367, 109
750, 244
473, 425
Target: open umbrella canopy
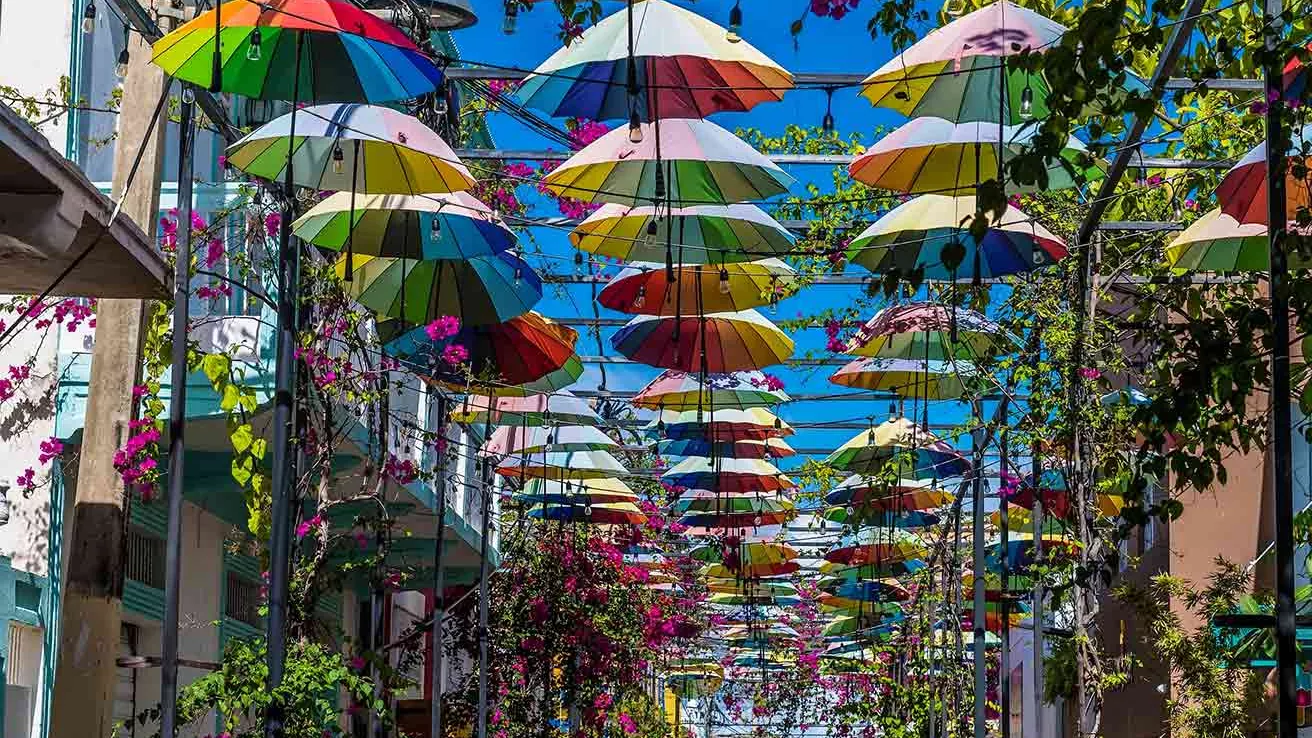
916, 378
1052, 490
877, 546
859, 516
346, 53
561, 465
565, 376
734, 551
750, 571
932, 232
362, 148
1021, 520
733, 342
696, 234
740, 600
453, 225
724, 426
1020, 549
481, 291
922, 330
905, 495
875, 626
684, 66
575, 492
608, 513
752, 587
561, 408
727, 475
522, 349
1243, 194
704, 165
675, 390
645, 289
769, 448
933, 155
885, 590
511, 439
1217, 242
873, 451
708, 511
956, 70
866, 572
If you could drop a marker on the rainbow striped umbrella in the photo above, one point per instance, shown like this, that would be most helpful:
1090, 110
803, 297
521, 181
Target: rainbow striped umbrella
932, 232
731, 476
933, 155
480, 291
522, 349
645, 289
926, 331
574, 492
1217, 242
362, 148
703, 164
858, 517
516, 439
904, 496
771, 448
602, 513
561, 465
453, 225
733, 342
847, 607
872, 451
684, 66
877, 546
927, 380
722, 425
732, 551
1021, 520
1243, 194
1020, 549
346, 53
861, 572
741, 600
567, 375
697, 234
674, 390
707, 513
885, 590
541, 409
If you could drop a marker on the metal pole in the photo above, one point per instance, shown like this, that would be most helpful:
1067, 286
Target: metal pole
1282, 452
284, 381
1004, 601
168, 680
482, 579
439, 576
1036, 517
980, 618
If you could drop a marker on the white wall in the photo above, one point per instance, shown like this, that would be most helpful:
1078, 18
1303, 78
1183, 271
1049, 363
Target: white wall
1023, 692
36, 39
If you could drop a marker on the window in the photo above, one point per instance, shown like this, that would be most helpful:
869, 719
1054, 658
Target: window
242, 600
145, 562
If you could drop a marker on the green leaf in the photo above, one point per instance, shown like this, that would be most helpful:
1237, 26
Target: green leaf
242, 437
216, 368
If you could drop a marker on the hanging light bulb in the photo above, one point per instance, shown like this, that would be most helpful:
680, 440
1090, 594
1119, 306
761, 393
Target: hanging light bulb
660, 182
778, 424
511, 19
892, 411
1221, 55
254, 44
587, 509
578, 263
756, 521
1027, 102
827, 124
649, 238
724, 281
339, 158
121, 68
89, 18
733, 34
435, 226
660, 422
519, 275
635, 128
188, 94
640, 299
1177, 210
441, 105
774, 303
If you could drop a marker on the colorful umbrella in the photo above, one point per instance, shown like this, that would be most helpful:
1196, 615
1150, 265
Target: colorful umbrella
674, 390
561, 465
872, 451
516, 439
770, 448
917, 378
522, 349
932, 232
556, 381
857, 517
1052, 489
955, 71
481, 291
346, 54
1217, 242
832, 570
750, 571
722, 425
561, 408
703, 164
847, 606
575, 492
925, 331
933, 155
684, 66
1021, 520
363, 148
609, 513
887, 590
739, 600
698, 234
906, 495
727, 475
733, 552
732, 341
1242, 192
644, 289
877, 546
456, 226
1020, 549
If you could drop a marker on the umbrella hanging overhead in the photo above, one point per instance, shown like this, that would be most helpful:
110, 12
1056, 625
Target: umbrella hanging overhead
905, 495
575, 492
872, 451
1020, 549
770, 448
1052, 490
886, 590
697, 234
733, 342
363, 148
522, 349
727, 475
933, 155
562, 465
926, 380
515, 439
1217, 242
346, 54
955, 72
858, 516
556, 381
1243, 194
852, 573
876, 546
703, 164
561, 408
750, 571
1021, 520
645, 289
609, 513
675, 390
877, 626
454, 225
723, 425
932, 232
925, 331
683, 66
480, 291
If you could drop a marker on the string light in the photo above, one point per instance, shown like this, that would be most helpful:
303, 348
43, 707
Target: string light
650, 238
734, 33
578, 263
435, 226
89, 18
440, 104
121, 68
1027, 102
724, 281
635, 128
511, 19
640, 299
254, 46
519, 275
339, 158
827, 124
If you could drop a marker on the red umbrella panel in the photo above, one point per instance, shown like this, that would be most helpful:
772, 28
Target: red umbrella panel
717, 342
518, 351
1243, 194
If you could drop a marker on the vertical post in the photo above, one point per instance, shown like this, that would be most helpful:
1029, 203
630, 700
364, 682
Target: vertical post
979, 619
283, 479
439, 577
486, 530
177, 419
1004, 577
1036, 516
1282, 452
